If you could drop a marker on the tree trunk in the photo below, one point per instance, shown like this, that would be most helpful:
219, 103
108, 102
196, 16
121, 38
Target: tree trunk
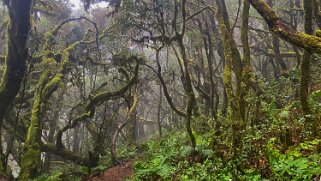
305, 65
131, 127
159, 111
15, 61
131, 113
46, 86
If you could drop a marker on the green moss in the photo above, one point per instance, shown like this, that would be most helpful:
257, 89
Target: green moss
104, 96
265, 11
309, 42
30, 162
31, 158
51, 85
318, 33
227, 77
44, 89
303, 40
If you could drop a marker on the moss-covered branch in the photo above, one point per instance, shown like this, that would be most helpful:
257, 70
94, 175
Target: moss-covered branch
276, 24
46, 86
44, 90
96, 100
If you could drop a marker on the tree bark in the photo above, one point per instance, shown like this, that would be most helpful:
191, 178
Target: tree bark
46, 86
159, 111
131, 113
131, 126
306, 60
16, 58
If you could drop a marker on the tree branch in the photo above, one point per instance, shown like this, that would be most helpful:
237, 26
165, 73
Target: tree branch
277, 25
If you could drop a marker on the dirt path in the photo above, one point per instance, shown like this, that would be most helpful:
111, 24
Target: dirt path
118, 173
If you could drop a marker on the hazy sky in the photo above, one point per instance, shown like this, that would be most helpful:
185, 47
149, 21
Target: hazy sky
77, 3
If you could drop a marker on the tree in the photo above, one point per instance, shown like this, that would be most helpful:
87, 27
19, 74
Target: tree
16, 58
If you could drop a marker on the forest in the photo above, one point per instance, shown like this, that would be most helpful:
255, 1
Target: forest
160, 90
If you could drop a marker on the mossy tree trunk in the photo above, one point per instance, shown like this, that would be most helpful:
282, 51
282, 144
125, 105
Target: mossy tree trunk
46, 86
44, 89
231, 55
131, 126
76, 139
191, 101
51, 77
243, 72
234, 113
247, 71
16, 57
130, 114
233, 64
306, 60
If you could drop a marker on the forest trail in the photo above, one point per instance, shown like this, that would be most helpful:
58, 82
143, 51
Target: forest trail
118, 173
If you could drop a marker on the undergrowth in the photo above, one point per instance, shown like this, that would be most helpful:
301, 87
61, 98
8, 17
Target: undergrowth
169, 159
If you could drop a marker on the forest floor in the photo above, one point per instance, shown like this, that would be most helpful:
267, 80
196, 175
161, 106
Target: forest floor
118, 173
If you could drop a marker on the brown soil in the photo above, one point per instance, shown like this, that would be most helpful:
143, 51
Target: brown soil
118, 173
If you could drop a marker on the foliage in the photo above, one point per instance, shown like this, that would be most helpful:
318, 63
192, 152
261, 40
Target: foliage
314, 100
197, 171
298, 163
127, 152
160, 158
165, 158
65, 172
104, 163
169, 159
